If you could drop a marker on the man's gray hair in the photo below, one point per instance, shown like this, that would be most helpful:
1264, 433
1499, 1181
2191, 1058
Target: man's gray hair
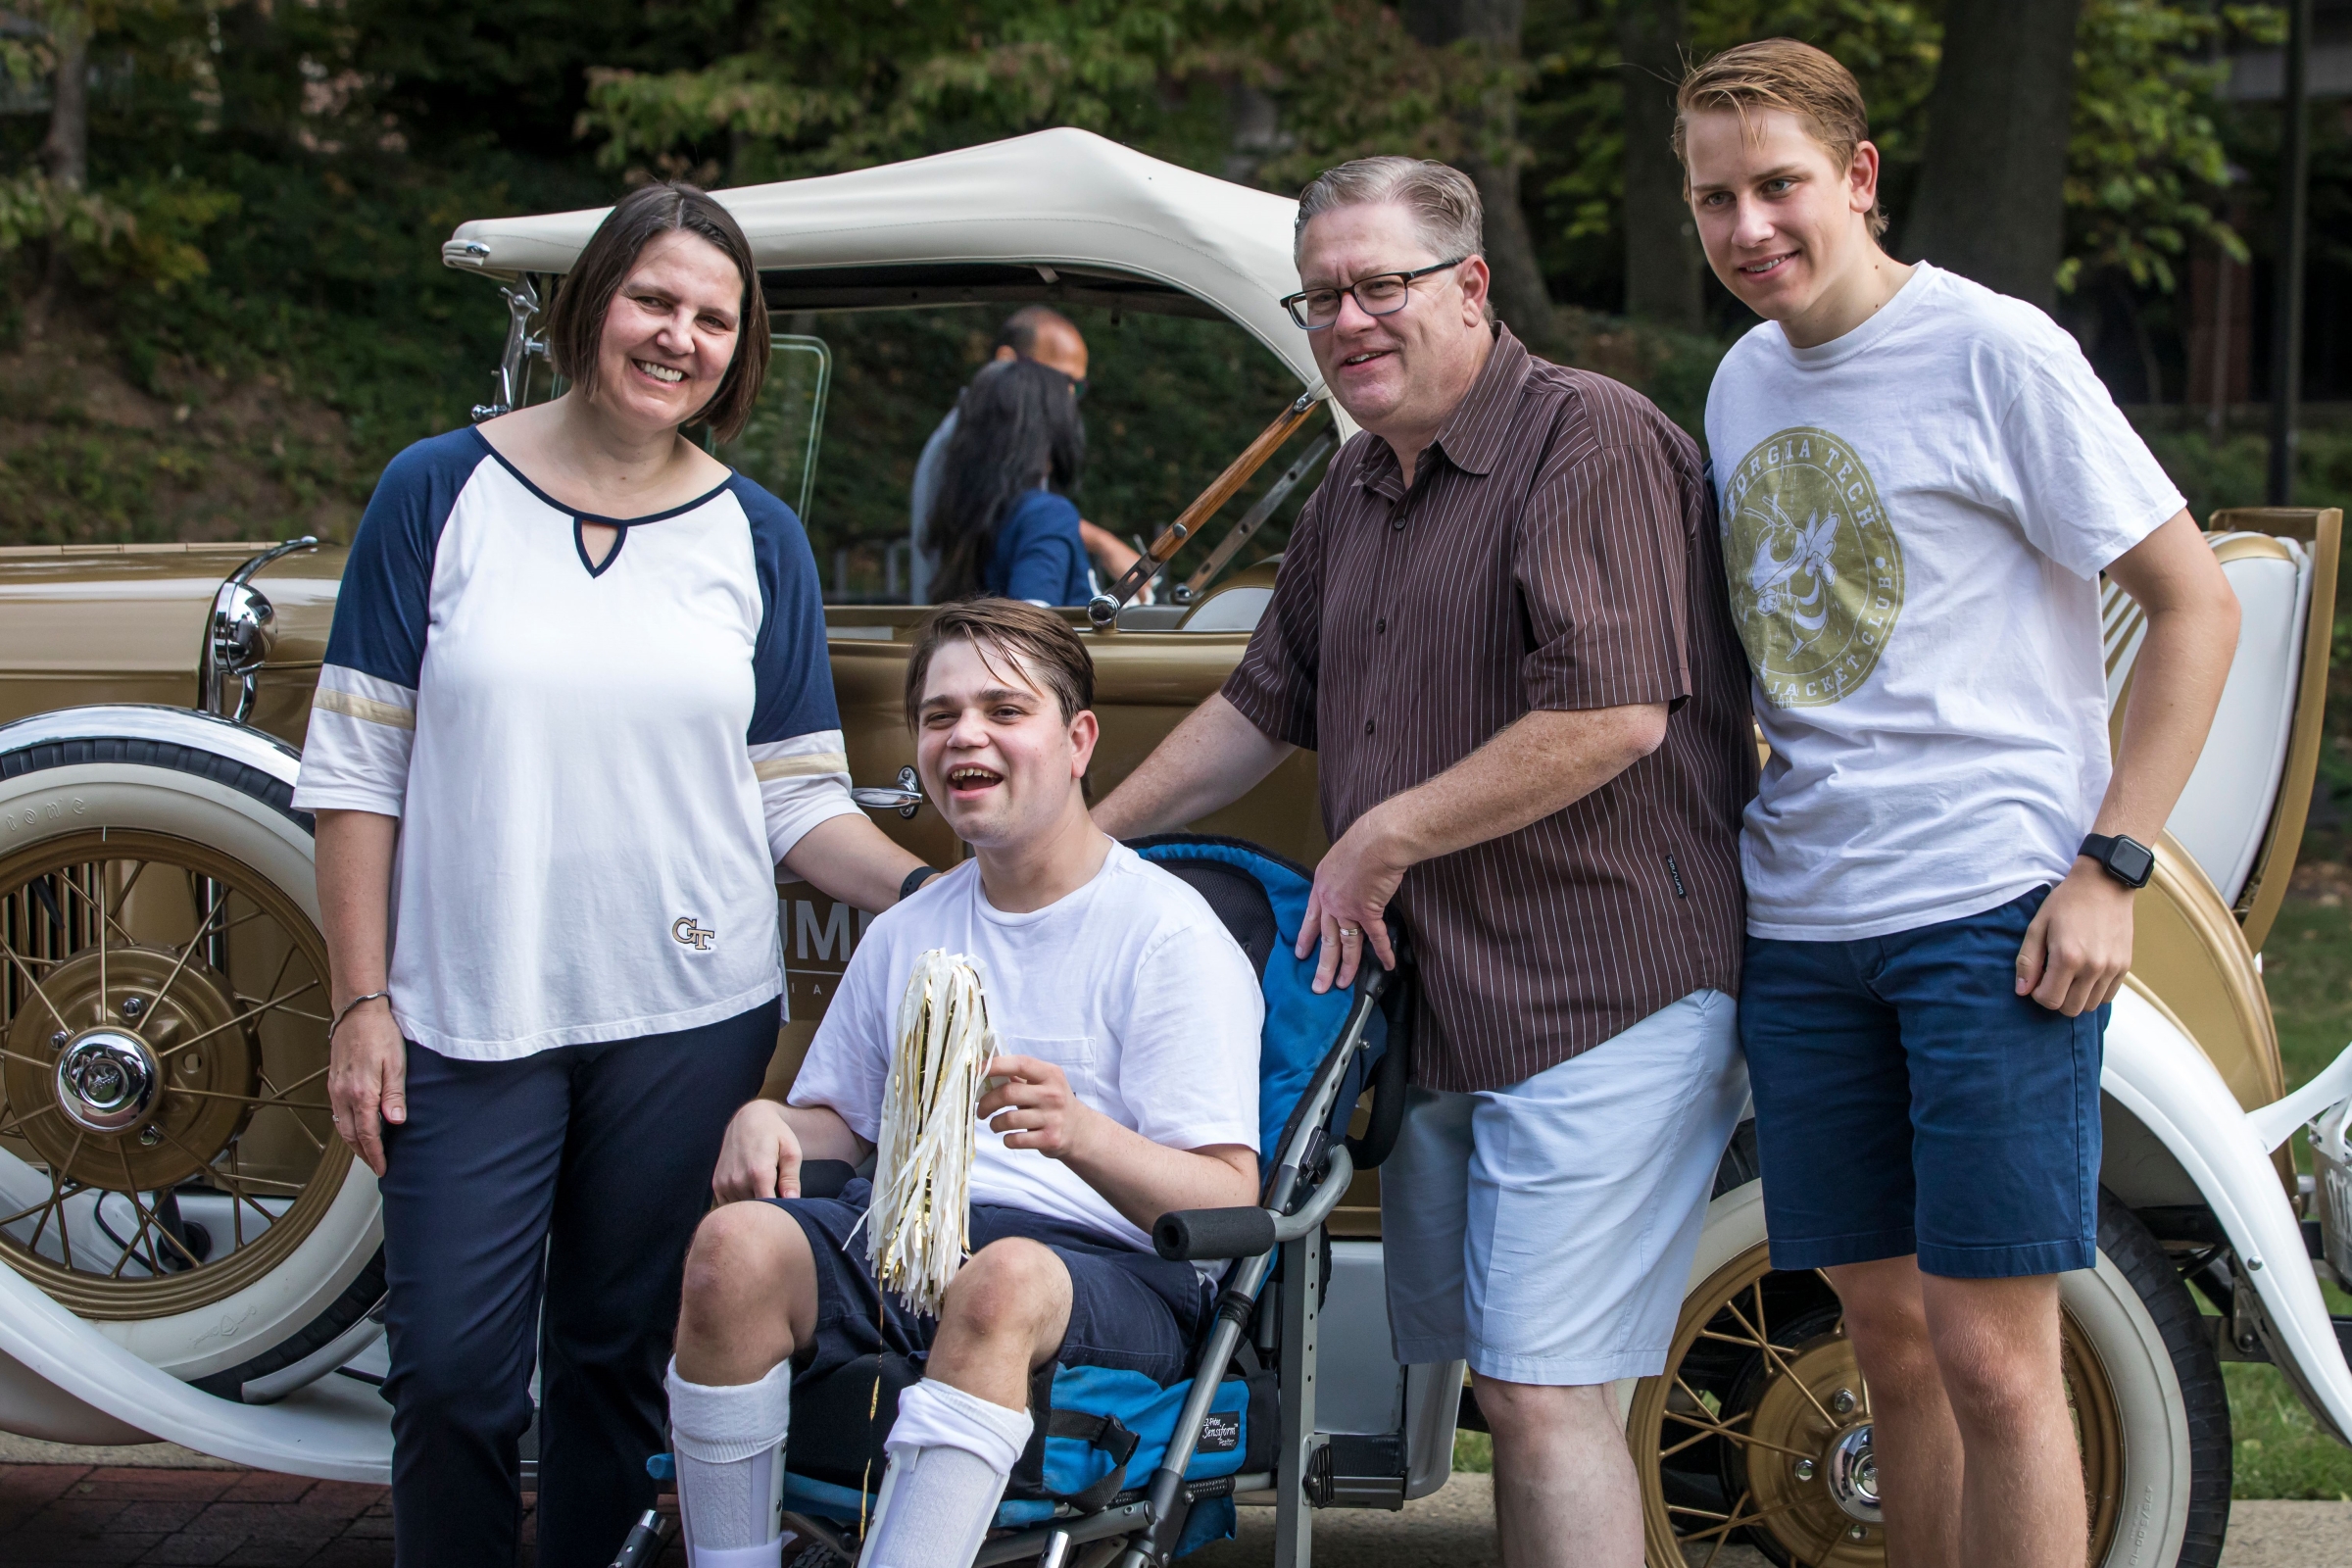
1442, 199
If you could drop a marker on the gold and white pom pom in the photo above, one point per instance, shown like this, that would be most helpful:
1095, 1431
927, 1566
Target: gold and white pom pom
921, 1210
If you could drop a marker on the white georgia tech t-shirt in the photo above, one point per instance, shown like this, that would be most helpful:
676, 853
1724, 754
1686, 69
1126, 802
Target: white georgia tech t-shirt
1914, 518
1131, 985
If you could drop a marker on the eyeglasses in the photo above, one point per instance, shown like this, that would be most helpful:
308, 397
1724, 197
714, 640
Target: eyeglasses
1383, 294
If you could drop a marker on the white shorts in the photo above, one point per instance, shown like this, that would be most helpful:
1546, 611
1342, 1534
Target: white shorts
1544, 1231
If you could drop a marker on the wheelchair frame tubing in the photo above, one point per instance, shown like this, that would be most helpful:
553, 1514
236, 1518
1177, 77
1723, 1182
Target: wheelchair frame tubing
1302, 1306
1297, 1364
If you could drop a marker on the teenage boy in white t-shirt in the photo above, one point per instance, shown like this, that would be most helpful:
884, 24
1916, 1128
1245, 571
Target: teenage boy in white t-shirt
1129, 1021
1920, 482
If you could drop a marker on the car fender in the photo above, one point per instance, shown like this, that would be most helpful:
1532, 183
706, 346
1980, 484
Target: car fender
156, 722
336, 1429
2155, 1073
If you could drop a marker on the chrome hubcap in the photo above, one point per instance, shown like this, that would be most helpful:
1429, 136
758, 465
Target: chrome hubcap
106, 1080
1853, 1479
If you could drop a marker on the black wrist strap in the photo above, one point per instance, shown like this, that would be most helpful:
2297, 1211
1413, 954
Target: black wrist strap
915, 879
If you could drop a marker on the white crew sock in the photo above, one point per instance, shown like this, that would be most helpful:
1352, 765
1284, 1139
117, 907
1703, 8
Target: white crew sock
949, 1455
729, 1444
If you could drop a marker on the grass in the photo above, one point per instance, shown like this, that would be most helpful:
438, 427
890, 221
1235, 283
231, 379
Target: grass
2281, 1450
2307, 967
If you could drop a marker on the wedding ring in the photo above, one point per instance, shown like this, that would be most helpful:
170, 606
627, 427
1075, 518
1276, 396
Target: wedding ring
1351, 931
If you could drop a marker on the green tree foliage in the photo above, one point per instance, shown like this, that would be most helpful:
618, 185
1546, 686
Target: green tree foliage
25, 62
268, 177
813, 87
2146, 160
1574, 126
2145, 163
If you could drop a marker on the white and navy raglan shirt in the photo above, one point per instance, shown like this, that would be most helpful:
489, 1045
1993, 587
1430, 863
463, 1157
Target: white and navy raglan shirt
596, 768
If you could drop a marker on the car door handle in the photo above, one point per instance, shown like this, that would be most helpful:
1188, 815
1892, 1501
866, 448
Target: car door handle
906, 800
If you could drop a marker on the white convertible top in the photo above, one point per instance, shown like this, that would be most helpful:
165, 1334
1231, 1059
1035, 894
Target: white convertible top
1054, 199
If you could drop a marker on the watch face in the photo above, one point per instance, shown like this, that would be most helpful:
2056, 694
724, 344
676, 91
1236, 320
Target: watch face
2132, 860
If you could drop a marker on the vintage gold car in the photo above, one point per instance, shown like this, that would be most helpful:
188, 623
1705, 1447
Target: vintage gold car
193, 1255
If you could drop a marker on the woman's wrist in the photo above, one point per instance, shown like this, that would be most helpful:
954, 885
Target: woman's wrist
345, 1010
342, 992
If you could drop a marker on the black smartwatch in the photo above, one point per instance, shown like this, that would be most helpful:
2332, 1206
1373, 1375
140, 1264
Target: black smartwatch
2125, 859
924, 873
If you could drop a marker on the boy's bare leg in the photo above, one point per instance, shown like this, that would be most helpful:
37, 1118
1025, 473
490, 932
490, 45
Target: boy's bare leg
1913, 1436
1975, 1445
1003, 1317
1565, 1492
747, 1258
1997, 1343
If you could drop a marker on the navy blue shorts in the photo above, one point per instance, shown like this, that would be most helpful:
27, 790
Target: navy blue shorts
1909, 1101
1130, 1310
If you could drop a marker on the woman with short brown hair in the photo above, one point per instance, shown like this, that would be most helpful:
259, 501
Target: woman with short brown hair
576, 711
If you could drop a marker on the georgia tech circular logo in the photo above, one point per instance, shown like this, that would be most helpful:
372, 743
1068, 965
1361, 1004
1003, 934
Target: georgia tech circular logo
1816, 573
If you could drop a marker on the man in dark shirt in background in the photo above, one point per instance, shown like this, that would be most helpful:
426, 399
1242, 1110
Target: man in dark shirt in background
1498, 626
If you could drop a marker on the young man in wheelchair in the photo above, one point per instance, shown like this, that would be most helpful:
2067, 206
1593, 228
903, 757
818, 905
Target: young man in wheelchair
1128, 1022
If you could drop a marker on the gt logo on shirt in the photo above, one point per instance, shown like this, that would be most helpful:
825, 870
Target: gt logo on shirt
688, 931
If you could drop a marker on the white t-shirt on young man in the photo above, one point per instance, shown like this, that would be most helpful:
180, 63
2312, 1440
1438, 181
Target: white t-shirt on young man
1914, 518
1131, 985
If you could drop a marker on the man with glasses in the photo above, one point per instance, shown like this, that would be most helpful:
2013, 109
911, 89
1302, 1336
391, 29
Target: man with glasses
1497, 624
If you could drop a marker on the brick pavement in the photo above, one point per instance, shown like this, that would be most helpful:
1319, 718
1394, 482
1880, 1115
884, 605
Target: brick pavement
69, 1515
79, 1516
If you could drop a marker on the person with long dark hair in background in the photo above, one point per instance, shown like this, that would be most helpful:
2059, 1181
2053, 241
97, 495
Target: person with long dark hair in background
1004, 522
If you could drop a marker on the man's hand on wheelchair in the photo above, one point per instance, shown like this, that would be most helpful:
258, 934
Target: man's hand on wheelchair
760, 1158
1034, 1107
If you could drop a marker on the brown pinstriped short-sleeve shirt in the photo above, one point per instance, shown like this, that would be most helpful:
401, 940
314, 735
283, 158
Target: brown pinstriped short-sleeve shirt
1557, 549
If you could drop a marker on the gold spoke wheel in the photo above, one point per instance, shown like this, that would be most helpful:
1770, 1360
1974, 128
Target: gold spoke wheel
1759, 1429
165, 1140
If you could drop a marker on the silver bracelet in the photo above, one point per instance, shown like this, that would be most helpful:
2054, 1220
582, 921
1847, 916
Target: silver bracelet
372, 996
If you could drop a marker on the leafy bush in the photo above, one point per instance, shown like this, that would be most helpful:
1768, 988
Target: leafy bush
2232, 470
138, 231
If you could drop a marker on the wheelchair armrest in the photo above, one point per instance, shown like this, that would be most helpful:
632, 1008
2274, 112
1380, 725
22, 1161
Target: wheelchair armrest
1203, 1234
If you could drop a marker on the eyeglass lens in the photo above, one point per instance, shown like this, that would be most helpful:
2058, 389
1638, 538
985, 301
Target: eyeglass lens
1375, 296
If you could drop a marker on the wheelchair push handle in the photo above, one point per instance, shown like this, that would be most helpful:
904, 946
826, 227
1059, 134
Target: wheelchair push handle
1190, 1235
1204, 1235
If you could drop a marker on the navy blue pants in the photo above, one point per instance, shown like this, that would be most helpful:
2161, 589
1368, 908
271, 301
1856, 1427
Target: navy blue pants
577, 1174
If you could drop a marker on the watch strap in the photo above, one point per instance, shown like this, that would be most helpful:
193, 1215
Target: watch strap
915, 879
